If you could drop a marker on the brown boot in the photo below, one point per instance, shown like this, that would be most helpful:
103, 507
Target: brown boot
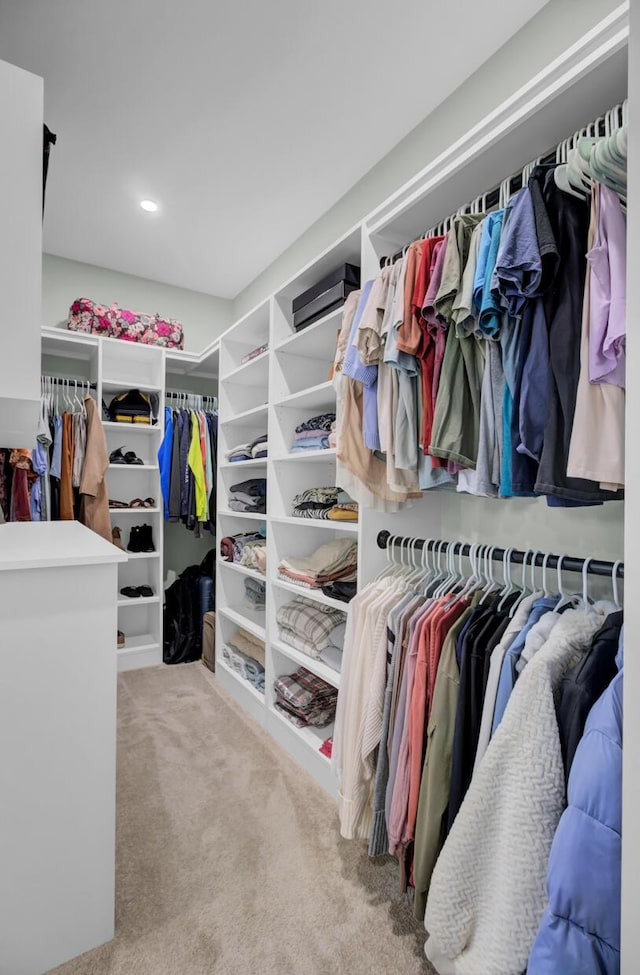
116, 538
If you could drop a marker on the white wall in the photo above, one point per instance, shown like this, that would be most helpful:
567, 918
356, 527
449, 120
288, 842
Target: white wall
21, 110
204, 317
559, 24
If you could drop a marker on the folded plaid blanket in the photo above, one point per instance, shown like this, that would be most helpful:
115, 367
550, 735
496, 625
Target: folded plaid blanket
303, 690
319, 720
309, 621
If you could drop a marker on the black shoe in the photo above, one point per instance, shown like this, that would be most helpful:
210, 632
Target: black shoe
146, 539
135, 536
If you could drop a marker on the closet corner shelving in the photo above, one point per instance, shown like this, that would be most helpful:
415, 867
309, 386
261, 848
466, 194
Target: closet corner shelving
115, 366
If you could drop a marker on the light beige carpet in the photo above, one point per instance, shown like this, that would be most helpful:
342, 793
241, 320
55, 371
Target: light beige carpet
229, 857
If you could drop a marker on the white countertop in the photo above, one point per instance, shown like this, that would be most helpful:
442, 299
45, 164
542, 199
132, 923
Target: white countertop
47, 544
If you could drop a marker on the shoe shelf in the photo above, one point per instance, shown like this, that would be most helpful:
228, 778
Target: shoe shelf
130, 427
137, 601
122, 366
135, 511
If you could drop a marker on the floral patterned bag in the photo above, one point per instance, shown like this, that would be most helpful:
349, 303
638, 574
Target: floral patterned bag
86, 315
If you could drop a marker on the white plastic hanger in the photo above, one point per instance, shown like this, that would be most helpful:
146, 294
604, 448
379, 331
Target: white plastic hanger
509, 586
546, 592
614, 583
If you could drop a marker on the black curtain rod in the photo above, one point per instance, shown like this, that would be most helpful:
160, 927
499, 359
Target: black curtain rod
569, 563
64, 381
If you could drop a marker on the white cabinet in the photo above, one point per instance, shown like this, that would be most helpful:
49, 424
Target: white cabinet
57, 743
21, 119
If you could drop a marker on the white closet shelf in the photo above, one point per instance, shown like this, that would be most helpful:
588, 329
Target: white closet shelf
138, 427
341, 526
255, 411
248, 686
316, 595
128, 384
138, 601
249, 373
253, 622
134, 511
321, 397
242, 569
260, 462
242, 514
137, 644
139, 651
313, 737
316, 667
133, 467
143, 555
307, 455
315, 340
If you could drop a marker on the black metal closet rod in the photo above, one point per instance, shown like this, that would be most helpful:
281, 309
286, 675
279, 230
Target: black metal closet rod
569, 563
63, 381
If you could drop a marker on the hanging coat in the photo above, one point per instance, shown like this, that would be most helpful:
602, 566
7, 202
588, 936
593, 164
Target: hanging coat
580, 930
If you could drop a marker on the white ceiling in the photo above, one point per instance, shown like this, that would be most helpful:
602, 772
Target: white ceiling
245, 120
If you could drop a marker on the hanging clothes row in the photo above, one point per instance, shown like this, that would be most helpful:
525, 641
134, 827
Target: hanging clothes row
62, 477
463, 701
489, 357
188, 461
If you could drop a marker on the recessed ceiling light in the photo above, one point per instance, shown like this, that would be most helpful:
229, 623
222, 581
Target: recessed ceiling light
149, 205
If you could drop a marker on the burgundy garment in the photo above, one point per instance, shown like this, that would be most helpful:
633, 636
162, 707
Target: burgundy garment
20, 506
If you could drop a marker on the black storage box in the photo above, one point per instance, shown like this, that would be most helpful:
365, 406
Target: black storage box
325, 296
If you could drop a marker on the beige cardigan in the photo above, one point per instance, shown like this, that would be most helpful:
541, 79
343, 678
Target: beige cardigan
94, 506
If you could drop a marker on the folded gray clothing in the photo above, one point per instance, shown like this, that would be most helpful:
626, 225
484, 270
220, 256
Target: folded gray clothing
255, 486
255, 585
247, 498
258, 440
260, 508
239, 448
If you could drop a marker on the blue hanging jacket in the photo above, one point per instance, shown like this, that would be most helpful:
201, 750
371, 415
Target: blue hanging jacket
164, 459
580, 930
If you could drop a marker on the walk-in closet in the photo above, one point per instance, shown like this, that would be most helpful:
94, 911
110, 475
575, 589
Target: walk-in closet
327, 552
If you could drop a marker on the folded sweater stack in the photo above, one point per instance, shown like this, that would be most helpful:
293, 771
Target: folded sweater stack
305, 699
249, 451
249, 496
332, 562
254, 594
314, 434
244, 653
318, 631
328, 503
246, 548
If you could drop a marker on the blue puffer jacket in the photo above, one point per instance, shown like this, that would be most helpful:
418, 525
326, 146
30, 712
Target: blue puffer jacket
580, 931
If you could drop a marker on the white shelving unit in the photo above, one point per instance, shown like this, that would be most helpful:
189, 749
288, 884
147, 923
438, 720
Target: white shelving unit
125, 366
115, 366
290, 383
243, 405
